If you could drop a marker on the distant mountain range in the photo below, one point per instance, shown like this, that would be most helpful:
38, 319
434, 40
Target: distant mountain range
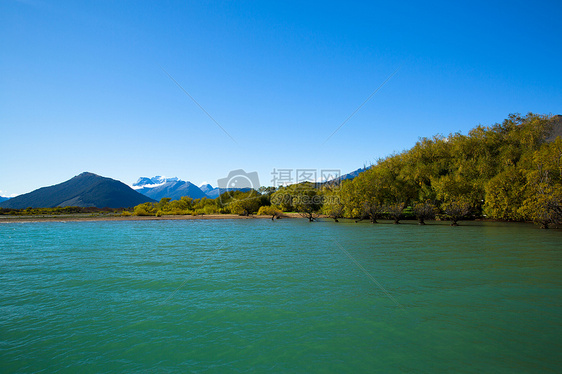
84, 190
91, 190
158, 187
3, 198
210, 191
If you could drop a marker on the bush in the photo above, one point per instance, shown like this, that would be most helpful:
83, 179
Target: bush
269, 211
210, 209
146, 209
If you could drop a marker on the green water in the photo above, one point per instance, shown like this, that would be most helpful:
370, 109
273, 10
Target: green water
285, 296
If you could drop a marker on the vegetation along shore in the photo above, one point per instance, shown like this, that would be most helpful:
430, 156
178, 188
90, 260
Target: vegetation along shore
511, 171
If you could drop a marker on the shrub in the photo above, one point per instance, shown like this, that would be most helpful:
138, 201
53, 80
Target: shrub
146, 209
210, 209
269, 211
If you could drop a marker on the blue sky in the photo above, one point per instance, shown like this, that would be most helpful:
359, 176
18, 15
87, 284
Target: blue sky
83, 85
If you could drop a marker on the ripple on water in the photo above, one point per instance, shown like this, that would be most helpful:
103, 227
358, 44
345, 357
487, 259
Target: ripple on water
215, 296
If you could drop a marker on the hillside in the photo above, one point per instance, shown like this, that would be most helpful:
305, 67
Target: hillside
84, 190
556, 128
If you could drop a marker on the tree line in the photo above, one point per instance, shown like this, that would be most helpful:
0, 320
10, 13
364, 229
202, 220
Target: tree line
507, 171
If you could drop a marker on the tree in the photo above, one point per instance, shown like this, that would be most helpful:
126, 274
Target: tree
186, 202
244, 203
270, 210
372, 189
333, 206
425, 210
283, 198
456, 209
163, 204
145, 209
372, 209
543, 202
504, 195
350, 199
544, 205
395, 211
307, 201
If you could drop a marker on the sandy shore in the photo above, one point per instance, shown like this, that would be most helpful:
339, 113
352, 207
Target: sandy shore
80, 218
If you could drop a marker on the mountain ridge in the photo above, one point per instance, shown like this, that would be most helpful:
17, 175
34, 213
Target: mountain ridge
84, 190
172, 188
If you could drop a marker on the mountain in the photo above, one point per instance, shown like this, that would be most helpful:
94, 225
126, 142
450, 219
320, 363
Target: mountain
341, 178
174, 188
351, 175
3, 198
159, 187
152, 182
210, 191
214, 192
84, 190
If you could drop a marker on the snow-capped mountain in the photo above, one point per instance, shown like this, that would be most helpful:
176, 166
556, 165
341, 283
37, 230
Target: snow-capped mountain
158, 187
152, 182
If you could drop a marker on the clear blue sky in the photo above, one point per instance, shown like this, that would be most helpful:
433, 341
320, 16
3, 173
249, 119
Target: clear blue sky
82, 86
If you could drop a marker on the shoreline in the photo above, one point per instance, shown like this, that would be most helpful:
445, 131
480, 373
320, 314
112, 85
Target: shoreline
86, 218
79, 217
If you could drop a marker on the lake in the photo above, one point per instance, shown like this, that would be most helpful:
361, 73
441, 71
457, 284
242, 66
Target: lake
215, 296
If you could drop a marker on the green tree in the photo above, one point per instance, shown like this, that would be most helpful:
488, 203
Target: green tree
372, 209
244, 203
163, 204
504, 195
350, 198
543, 195
283, 198
425, 210
395, 211
269, 210
456, 209
372, 189
307, 201
145, 209
333, 206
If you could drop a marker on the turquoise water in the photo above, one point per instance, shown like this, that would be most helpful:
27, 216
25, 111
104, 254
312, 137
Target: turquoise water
285, 296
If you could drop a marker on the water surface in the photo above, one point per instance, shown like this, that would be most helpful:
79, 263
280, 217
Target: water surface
285, 296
